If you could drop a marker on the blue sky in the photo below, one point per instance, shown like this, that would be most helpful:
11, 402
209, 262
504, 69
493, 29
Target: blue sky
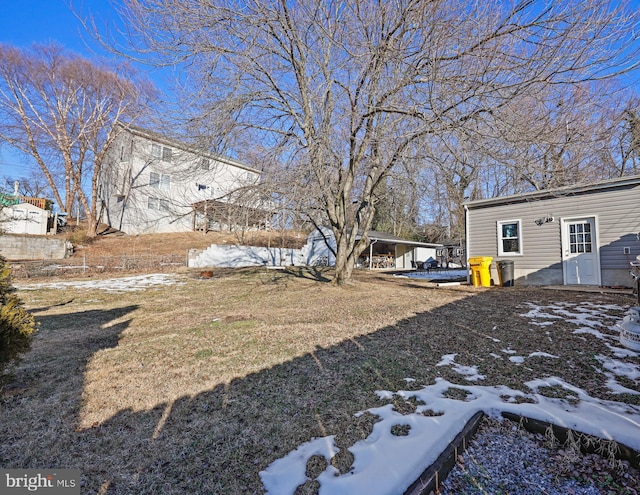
24, 22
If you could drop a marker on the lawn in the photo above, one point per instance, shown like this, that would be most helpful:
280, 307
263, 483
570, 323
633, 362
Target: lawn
198, 385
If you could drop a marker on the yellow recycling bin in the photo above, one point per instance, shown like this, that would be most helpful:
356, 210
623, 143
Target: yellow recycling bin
480, 273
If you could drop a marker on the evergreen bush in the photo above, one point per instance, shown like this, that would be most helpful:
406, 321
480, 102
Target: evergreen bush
17, 326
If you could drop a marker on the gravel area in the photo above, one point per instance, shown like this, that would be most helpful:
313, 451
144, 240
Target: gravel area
505, 459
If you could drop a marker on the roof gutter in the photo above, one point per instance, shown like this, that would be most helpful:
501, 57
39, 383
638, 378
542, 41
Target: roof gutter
557, 192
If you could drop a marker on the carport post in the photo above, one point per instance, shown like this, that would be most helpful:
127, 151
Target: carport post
371, 253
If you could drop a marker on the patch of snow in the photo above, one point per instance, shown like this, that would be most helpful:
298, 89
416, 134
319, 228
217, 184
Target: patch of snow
616, 388
517, 359
538, 312
543, 354
542, 323
121, 284
446, 274
282, 475
622, 352
620, 368
470, 373
593, 332
447, 360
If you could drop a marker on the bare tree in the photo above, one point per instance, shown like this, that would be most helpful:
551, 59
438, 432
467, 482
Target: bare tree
62, 110
347, 89
623, 132
553, 137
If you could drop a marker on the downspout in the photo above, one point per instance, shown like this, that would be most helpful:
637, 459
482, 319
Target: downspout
466, 241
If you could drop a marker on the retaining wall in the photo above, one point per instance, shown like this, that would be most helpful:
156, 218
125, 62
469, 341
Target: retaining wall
31, 247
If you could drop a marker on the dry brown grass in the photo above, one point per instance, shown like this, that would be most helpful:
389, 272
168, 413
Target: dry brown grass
195, 388
118, 244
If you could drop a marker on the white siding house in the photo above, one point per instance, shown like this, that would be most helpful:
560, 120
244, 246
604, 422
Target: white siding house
579, 235
152, 184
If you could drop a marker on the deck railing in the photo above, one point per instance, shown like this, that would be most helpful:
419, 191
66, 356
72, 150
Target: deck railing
39, 202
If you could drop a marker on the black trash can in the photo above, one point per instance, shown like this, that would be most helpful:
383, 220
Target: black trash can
505, 273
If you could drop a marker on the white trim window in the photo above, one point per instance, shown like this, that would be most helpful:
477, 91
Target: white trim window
156, 150
162, 152
157, 204
167, 153
509, 237
159, 181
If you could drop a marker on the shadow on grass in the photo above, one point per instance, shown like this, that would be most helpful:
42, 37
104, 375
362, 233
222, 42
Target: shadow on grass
66, 342
219, 440
319, 274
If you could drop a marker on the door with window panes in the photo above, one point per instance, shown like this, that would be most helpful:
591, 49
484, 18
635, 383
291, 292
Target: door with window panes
580, 258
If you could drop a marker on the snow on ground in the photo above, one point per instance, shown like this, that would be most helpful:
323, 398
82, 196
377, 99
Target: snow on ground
387, 464
121, 284
438, 274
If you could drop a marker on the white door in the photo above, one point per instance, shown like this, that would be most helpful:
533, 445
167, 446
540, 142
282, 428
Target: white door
580, 257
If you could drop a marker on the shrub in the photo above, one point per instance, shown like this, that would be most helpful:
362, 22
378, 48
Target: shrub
17, 326
78, 236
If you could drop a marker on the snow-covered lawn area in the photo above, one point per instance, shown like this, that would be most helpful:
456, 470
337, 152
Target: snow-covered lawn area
387, 463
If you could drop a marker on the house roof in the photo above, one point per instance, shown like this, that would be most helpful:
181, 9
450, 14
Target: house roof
376, 236
632, 180
159, 138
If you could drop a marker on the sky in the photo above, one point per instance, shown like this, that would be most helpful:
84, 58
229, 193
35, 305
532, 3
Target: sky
387, 464
25, 22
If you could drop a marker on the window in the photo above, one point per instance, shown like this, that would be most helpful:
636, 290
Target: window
580, 238
166, 154
156, 150
509, 237
163, 152
157, 204
160, 181
204, 164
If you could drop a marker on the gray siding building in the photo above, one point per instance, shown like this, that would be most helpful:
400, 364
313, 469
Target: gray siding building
581, 235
